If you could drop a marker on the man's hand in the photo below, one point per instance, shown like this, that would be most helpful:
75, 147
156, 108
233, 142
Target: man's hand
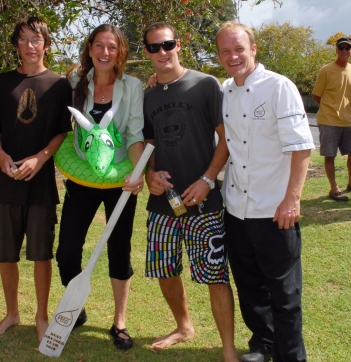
7, 165
152, 81
287, 213
28, 167
195, 193
157, 186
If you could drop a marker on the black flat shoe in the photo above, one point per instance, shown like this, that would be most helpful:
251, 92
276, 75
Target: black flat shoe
120, 342
81, 319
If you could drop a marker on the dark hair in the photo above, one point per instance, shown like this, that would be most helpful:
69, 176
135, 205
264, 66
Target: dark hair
159, 25
81, 90
34, 24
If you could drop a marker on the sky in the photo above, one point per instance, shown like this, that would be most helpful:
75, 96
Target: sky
325, 17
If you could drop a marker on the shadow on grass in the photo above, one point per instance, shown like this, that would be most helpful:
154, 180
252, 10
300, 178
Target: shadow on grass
323, 210
94, 344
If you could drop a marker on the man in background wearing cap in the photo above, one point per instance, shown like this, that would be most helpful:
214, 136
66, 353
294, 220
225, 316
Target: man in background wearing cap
332, 92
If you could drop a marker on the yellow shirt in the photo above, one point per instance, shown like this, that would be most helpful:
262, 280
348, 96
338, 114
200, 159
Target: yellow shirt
333, 85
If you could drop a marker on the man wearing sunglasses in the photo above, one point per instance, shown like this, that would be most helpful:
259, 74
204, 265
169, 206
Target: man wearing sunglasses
182, 113
332, 92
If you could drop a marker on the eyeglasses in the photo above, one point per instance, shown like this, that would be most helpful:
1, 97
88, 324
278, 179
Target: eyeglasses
344, 47
35, 41
166, 45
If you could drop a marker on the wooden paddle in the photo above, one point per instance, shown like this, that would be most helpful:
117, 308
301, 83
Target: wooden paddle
78, 289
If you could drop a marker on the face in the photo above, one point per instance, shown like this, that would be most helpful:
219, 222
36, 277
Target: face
30, 53
103, 51
343, 55
236, 54
164, 60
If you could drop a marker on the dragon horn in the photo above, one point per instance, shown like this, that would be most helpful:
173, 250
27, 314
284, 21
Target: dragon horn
106, 119
81, 119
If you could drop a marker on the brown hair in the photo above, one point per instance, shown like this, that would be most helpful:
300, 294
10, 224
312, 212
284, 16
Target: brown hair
159, 25
81, 90
233, 25
34, 24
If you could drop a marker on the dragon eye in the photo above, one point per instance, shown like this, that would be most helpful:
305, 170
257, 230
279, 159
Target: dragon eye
88, 142
107, 140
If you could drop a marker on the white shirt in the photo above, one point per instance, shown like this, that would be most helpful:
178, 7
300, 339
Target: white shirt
264, 122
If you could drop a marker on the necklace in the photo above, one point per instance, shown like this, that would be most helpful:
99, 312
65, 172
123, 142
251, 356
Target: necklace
165, 85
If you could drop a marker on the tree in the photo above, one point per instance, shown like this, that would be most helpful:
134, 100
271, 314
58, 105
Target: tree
293, 52
70, 21
332, 40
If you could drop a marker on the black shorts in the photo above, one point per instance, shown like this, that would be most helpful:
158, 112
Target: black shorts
36, 222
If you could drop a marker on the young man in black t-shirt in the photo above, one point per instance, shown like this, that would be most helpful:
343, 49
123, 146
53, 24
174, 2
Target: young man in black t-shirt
182, 113
34, 120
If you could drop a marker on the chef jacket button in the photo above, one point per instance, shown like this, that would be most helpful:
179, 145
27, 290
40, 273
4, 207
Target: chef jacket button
245, 191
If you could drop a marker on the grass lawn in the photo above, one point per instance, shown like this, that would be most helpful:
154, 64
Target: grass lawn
326, 254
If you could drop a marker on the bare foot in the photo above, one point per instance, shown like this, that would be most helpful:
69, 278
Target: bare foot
230, 355
9, 321
42, 326
177, 336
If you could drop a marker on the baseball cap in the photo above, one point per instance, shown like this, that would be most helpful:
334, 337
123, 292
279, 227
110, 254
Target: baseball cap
343, 40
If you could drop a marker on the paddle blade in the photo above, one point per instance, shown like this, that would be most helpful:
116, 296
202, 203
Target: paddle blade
65, 316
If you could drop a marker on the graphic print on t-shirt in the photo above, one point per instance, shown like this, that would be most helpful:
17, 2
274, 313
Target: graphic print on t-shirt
27, 106
171, 122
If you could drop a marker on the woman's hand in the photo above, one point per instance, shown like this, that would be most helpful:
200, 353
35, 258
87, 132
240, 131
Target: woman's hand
133, 187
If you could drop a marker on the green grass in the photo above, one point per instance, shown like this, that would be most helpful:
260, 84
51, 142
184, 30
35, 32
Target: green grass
326, 227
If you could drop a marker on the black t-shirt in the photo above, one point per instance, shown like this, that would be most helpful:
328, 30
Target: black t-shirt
182, 120
33, 110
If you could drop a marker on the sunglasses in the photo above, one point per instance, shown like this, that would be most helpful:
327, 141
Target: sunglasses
344, 47
166, 46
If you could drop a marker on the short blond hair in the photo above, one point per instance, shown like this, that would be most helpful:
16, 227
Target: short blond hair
232, 26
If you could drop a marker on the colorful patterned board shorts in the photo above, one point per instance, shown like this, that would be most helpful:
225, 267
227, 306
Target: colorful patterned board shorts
205, 242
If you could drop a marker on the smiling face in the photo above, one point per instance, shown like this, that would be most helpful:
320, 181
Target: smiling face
163, 61
343, 54
236, 53
103, 51
32, 55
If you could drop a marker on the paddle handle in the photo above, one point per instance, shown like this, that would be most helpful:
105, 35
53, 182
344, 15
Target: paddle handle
138, 170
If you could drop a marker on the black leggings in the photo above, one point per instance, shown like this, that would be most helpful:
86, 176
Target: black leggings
79, 208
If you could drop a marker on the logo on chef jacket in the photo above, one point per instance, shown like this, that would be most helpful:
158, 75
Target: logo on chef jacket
260, 112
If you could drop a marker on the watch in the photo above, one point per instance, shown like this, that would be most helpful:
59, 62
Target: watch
211, 183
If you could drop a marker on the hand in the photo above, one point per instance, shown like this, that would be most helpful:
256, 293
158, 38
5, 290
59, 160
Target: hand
29, 167
7, 165
152, 81
157, 186
287, 213
195, 193
133, 187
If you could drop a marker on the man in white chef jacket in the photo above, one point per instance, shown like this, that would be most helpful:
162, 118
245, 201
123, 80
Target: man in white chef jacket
269, 143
